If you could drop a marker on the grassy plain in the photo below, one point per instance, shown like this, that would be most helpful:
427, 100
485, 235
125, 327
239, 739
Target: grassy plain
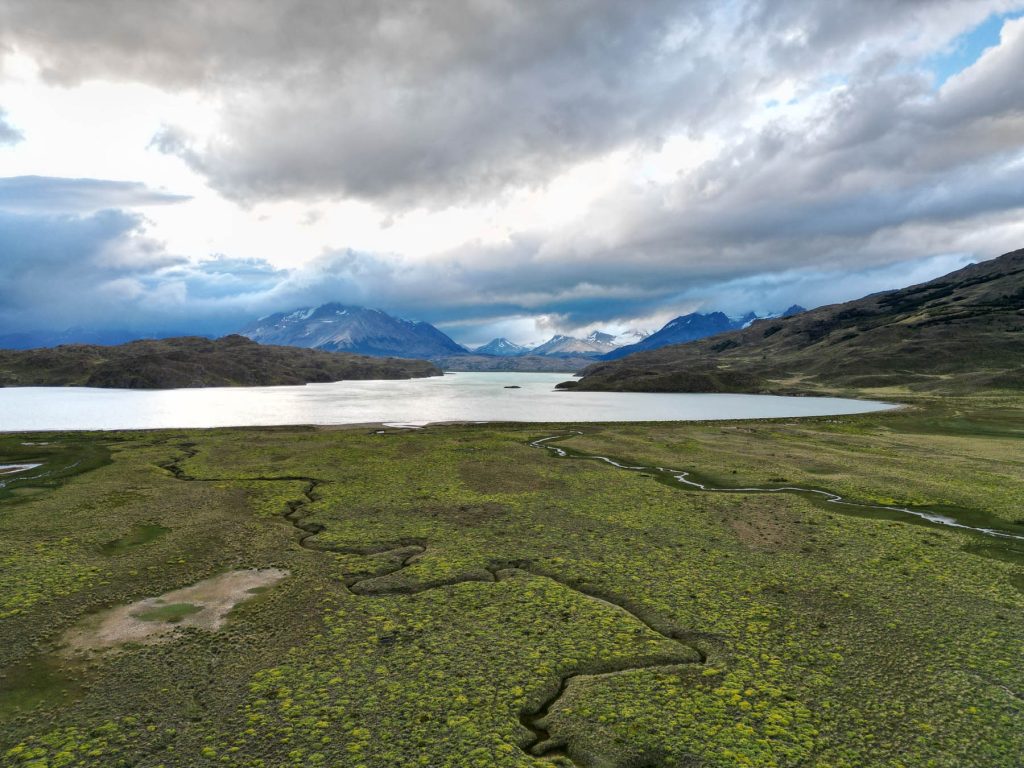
458, 598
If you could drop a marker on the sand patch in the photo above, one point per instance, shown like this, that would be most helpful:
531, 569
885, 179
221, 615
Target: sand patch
204, 605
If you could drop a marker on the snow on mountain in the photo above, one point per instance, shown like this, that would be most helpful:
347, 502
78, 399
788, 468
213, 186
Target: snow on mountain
594, 344
560, 345
502, 347
338, 327
631, 336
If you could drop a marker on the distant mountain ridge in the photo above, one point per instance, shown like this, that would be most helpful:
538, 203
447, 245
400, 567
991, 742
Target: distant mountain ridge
599, 345
341, 328
690, 328
958, 333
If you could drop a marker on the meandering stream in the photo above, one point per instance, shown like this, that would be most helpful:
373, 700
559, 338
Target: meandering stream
682, 478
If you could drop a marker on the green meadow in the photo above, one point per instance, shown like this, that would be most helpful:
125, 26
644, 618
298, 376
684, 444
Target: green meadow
457, 597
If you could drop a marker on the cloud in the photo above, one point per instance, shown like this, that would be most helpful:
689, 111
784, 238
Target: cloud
869, 174
837, 165
26, 194
62, 270
8, 133
102, 271
773, 292
418, 104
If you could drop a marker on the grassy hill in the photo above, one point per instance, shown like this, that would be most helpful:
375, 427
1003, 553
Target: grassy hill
191, 361
956, 333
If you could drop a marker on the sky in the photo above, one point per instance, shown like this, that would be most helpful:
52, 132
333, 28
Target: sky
506, 168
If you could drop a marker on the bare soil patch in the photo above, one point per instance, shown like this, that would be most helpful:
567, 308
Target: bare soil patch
156, 619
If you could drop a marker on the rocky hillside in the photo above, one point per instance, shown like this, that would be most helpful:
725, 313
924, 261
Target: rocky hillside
191, 361
959, 332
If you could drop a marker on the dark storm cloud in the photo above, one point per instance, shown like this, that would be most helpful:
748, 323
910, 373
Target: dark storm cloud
26, 194
102, 270
8, 133
61, 270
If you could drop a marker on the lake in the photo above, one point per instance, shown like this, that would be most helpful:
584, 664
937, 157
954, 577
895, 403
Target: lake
453, 397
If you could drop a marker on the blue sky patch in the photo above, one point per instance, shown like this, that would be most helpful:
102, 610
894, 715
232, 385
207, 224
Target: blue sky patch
968, 47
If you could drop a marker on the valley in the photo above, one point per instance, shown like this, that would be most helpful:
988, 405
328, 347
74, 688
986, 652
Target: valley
511, 385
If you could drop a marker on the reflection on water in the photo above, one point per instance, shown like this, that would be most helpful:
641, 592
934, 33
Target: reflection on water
10, 469
454, 397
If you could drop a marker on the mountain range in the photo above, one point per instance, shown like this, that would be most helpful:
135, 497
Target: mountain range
593, 345
339, 327
960, 332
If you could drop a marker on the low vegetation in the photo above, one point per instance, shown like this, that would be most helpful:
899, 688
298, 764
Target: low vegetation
192, 361
456, 597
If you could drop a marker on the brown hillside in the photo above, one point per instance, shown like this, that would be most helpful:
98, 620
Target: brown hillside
191, 361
